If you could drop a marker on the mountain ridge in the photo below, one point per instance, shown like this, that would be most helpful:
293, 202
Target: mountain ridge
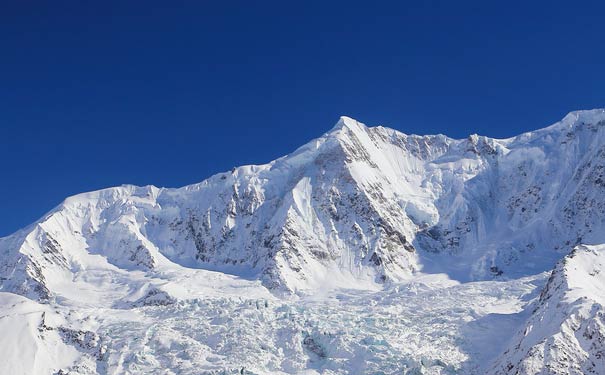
361, 215
359, 159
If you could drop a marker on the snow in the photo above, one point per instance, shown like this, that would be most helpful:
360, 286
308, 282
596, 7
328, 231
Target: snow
364, 251
25, 347
216, 323
566, 330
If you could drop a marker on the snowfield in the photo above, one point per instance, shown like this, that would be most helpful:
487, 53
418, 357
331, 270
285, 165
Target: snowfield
365, 251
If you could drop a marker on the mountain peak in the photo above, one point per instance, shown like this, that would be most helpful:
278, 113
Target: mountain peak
345, 122
575, 119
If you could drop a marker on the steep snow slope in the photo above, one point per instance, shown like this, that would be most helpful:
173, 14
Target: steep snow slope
566, 332
371, 210
27, 345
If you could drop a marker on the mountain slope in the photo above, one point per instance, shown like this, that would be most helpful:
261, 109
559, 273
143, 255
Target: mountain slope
566, 332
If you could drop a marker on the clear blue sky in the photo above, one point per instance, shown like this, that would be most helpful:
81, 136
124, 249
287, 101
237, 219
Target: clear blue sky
97, 94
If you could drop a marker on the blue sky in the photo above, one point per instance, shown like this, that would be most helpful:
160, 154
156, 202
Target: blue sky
97, 94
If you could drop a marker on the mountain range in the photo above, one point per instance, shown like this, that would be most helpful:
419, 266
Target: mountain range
366, 250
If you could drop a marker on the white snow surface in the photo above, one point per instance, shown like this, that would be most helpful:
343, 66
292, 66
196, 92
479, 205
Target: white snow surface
365, 251
566, 332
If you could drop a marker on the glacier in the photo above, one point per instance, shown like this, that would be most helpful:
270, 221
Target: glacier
366, 250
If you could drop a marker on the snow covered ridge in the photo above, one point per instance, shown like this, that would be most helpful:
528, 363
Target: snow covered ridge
566, 332
316, 253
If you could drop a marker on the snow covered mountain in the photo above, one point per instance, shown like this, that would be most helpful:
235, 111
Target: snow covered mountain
566, 332
361, 208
